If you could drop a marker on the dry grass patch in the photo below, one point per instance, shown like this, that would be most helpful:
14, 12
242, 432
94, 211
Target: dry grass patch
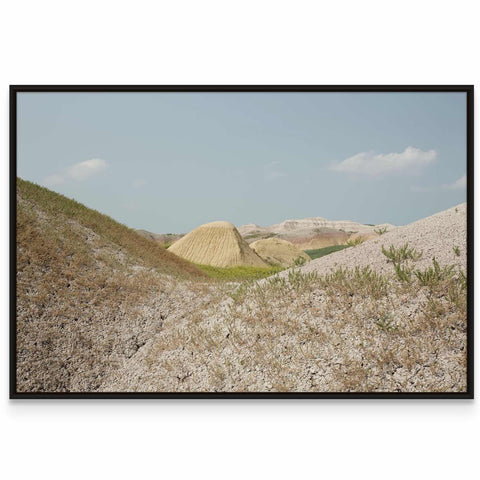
352, 330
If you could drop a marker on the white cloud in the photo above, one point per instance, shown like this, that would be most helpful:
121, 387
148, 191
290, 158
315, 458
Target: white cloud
457, 184
411, 160
272, 171
78, 172
86, 169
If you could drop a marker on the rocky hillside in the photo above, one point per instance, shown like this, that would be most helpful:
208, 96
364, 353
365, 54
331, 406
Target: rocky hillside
442, 236
100, 308
329, 328
82, 279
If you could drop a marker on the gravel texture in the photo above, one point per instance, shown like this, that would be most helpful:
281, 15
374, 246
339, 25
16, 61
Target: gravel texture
314, 336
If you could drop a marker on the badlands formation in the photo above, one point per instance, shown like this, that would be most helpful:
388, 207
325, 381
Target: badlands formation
102, 309
279, 252
348, 331
217, 244
312, 233
305, 234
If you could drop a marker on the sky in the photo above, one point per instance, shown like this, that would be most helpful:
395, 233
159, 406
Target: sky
168, 162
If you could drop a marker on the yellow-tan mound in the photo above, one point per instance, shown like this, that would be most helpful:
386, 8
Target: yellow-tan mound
217, 244
279, 252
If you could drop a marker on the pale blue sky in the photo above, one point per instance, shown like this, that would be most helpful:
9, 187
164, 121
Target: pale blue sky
168, 162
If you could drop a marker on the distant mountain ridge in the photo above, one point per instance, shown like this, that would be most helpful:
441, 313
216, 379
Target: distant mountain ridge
295, 225
315, 232
304, 233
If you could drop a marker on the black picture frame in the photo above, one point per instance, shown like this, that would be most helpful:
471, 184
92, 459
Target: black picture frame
468, 89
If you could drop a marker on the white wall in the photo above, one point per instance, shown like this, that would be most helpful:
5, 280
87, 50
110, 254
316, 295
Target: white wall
216, 42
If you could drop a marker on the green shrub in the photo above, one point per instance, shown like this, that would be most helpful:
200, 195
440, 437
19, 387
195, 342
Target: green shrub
380, 231
433, 276
399, 257
401, 254
298, 262
403, 272
386, 323
299, 280
355, 242
357, 281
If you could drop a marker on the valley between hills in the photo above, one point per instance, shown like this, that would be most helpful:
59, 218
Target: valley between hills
306, 305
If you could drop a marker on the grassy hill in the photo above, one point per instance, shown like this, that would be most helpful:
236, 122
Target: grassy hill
62, 211
81, 281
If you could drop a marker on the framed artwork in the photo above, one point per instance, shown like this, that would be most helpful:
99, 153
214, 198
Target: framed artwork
241, 241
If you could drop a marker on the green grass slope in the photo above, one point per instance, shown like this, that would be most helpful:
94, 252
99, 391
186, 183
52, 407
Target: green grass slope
321, 252
239, 274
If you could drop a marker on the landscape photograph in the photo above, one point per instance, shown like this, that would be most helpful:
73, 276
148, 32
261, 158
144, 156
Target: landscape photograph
240, 242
